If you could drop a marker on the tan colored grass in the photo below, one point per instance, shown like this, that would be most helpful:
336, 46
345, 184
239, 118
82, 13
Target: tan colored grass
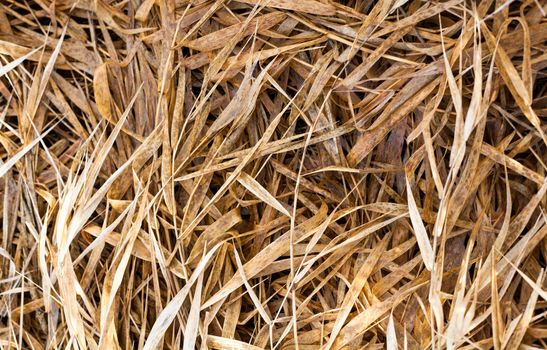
273, 174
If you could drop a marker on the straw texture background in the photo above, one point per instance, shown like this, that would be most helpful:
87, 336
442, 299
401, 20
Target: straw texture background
273, 174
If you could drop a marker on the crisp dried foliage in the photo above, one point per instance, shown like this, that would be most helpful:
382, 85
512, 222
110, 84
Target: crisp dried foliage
273, 174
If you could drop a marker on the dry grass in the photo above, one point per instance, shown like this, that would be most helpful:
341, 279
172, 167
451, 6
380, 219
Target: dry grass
276, 174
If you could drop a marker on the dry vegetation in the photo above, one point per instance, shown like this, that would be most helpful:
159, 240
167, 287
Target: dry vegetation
276, 174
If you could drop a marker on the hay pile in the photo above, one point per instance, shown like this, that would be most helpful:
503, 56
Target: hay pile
277, 174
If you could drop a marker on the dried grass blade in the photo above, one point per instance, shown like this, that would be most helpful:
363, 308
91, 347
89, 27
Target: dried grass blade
261, 193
